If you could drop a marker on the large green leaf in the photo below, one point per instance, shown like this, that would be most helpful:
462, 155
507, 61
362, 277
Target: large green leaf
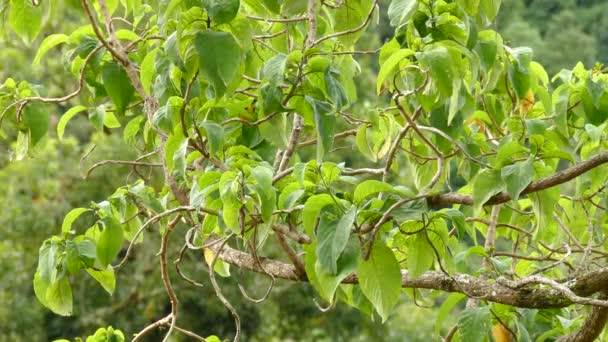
487, 184
117, 85
219, 58
400, 11
26, 19
215, 136
59, 297
390, 65
222, 11
332, 236
324, 123
147, 71
69, 219
79, 254
311, 210
380, 279
517, 177
470, 6
274, 69
36, 118
40, 287
47, 261
110, 241
105, 278
519, 73
420, 255
441, 66
490, 8
66, 117
474, 324
264, 188
445, 309
363, 145
48, 43
561, 99
347, 264
368, 188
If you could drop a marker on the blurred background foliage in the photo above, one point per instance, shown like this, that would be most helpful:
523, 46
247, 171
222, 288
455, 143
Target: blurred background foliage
37, 192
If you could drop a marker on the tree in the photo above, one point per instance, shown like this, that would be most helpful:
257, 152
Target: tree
470, 173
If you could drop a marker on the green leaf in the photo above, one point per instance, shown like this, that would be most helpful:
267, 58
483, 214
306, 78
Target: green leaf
474, 324
59, 297
69, 219
347, 264
332, 237
445, 309
487, 48
272, 99
147, 71
79, 254
388, 67
368, 188
179, 160
470, 6
324, 124
222, 11
362, 145
221, 268
219, 58
40, 287
490, 8
519, 74
311, 210
517, 177
105, 278
47, 44
487, 184
420, 255
25, 19
264, 188
66, 117
275, 129
132, 128
73, 264
36, 118
441, 66
561, 98
400, 11
117, 85
110, 241
97, 116
215, 136
47, 261
380, 279
335, 89
274, 69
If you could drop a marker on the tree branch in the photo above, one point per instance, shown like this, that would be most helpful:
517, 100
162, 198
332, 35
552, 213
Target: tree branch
523, 297
537, 185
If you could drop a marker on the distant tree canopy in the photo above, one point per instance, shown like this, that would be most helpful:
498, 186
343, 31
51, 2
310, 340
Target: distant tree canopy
561, 33
260, 141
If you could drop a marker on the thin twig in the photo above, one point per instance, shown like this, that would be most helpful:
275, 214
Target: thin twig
119, 162
218, 290
164, 274
151, 221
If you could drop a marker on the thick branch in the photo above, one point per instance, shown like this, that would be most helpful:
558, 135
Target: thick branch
538, 185
592, 327
489, 290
